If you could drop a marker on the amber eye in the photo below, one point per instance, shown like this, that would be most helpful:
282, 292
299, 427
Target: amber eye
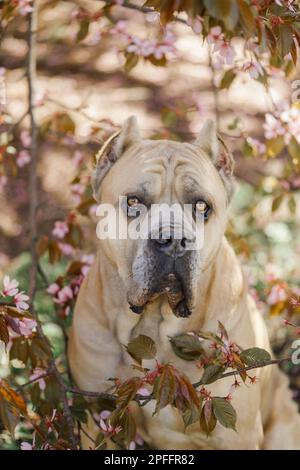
133, 206
132, 201
202, 208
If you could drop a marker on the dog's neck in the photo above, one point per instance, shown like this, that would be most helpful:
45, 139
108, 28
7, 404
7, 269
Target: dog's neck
221, 284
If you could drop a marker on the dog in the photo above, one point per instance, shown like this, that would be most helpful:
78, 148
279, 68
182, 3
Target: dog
127, 291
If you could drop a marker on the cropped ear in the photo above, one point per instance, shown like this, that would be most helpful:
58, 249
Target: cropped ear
112, 150
214, 146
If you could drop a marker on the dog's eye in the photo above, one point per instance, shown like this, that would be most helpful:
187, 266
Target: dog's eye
133, 206
133, 201
202, 208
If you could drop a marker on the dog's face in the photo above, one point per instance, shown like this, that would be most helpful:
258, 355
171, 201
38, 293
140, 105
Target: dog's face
152, 172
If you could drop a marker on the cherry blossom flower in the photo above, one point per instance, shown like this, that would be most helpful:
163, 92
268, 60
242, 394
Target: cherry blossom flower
20, 301
26, 446
23, 158
53, 288
107, 428
24, 7
276, 295
119, 28
66, 249
273, 127
60, 229
152, 17
144, 392
195, 24
3, 182
215, 35
254, 69
77, 158
26, 326
225, 51
10, 287
77, 190
87, 260
25, 139
64, 295
137, 441
258, 147
38, 375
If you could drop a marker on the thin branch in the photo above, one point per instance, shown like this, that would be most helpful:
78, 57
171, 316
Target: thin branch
33, 196
33, 202
245, 369
142, 9
36, 379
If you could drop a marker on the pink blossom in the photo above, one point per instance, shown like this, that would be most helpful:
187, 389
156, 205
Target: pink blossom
53, 289
20, 301
215, 35
60, 229
66, 249
258, 147
64, 295
107, 428
152, 17
273, 127
23, 158
77, 192
225, 51
105, 414
25, 7
77, 158
137, 441
3, 182
253, 68
144, 392
195, 24
26, 446
25, 139
10, 287
276, 295
37, 375
26, 326
118, 28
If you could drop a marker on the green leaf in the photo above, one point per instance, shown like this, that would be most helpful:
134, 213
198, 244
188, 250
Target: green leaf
276, 203
131, 61
141, 347
224, 412
223, 10
252, 356
292, 204
294, 149
187, 347
275, 146
190, 414
227, 79
247, 17
212, 373
83, 29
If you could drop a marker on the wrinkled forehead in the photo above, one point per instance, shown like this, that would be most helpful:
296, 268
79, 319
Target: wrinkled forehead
152, 168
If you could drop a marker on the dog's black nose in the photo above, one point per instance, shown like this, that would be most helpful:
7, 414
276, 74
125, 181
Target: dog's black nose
170, 246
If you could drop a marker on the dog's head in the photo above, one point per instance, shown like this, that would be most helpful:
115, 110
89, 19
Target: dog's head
147, 173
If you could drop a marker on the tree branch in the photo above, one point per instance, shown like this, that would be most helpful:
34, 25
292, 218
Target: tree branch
33, 197
33, 203
142, 9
